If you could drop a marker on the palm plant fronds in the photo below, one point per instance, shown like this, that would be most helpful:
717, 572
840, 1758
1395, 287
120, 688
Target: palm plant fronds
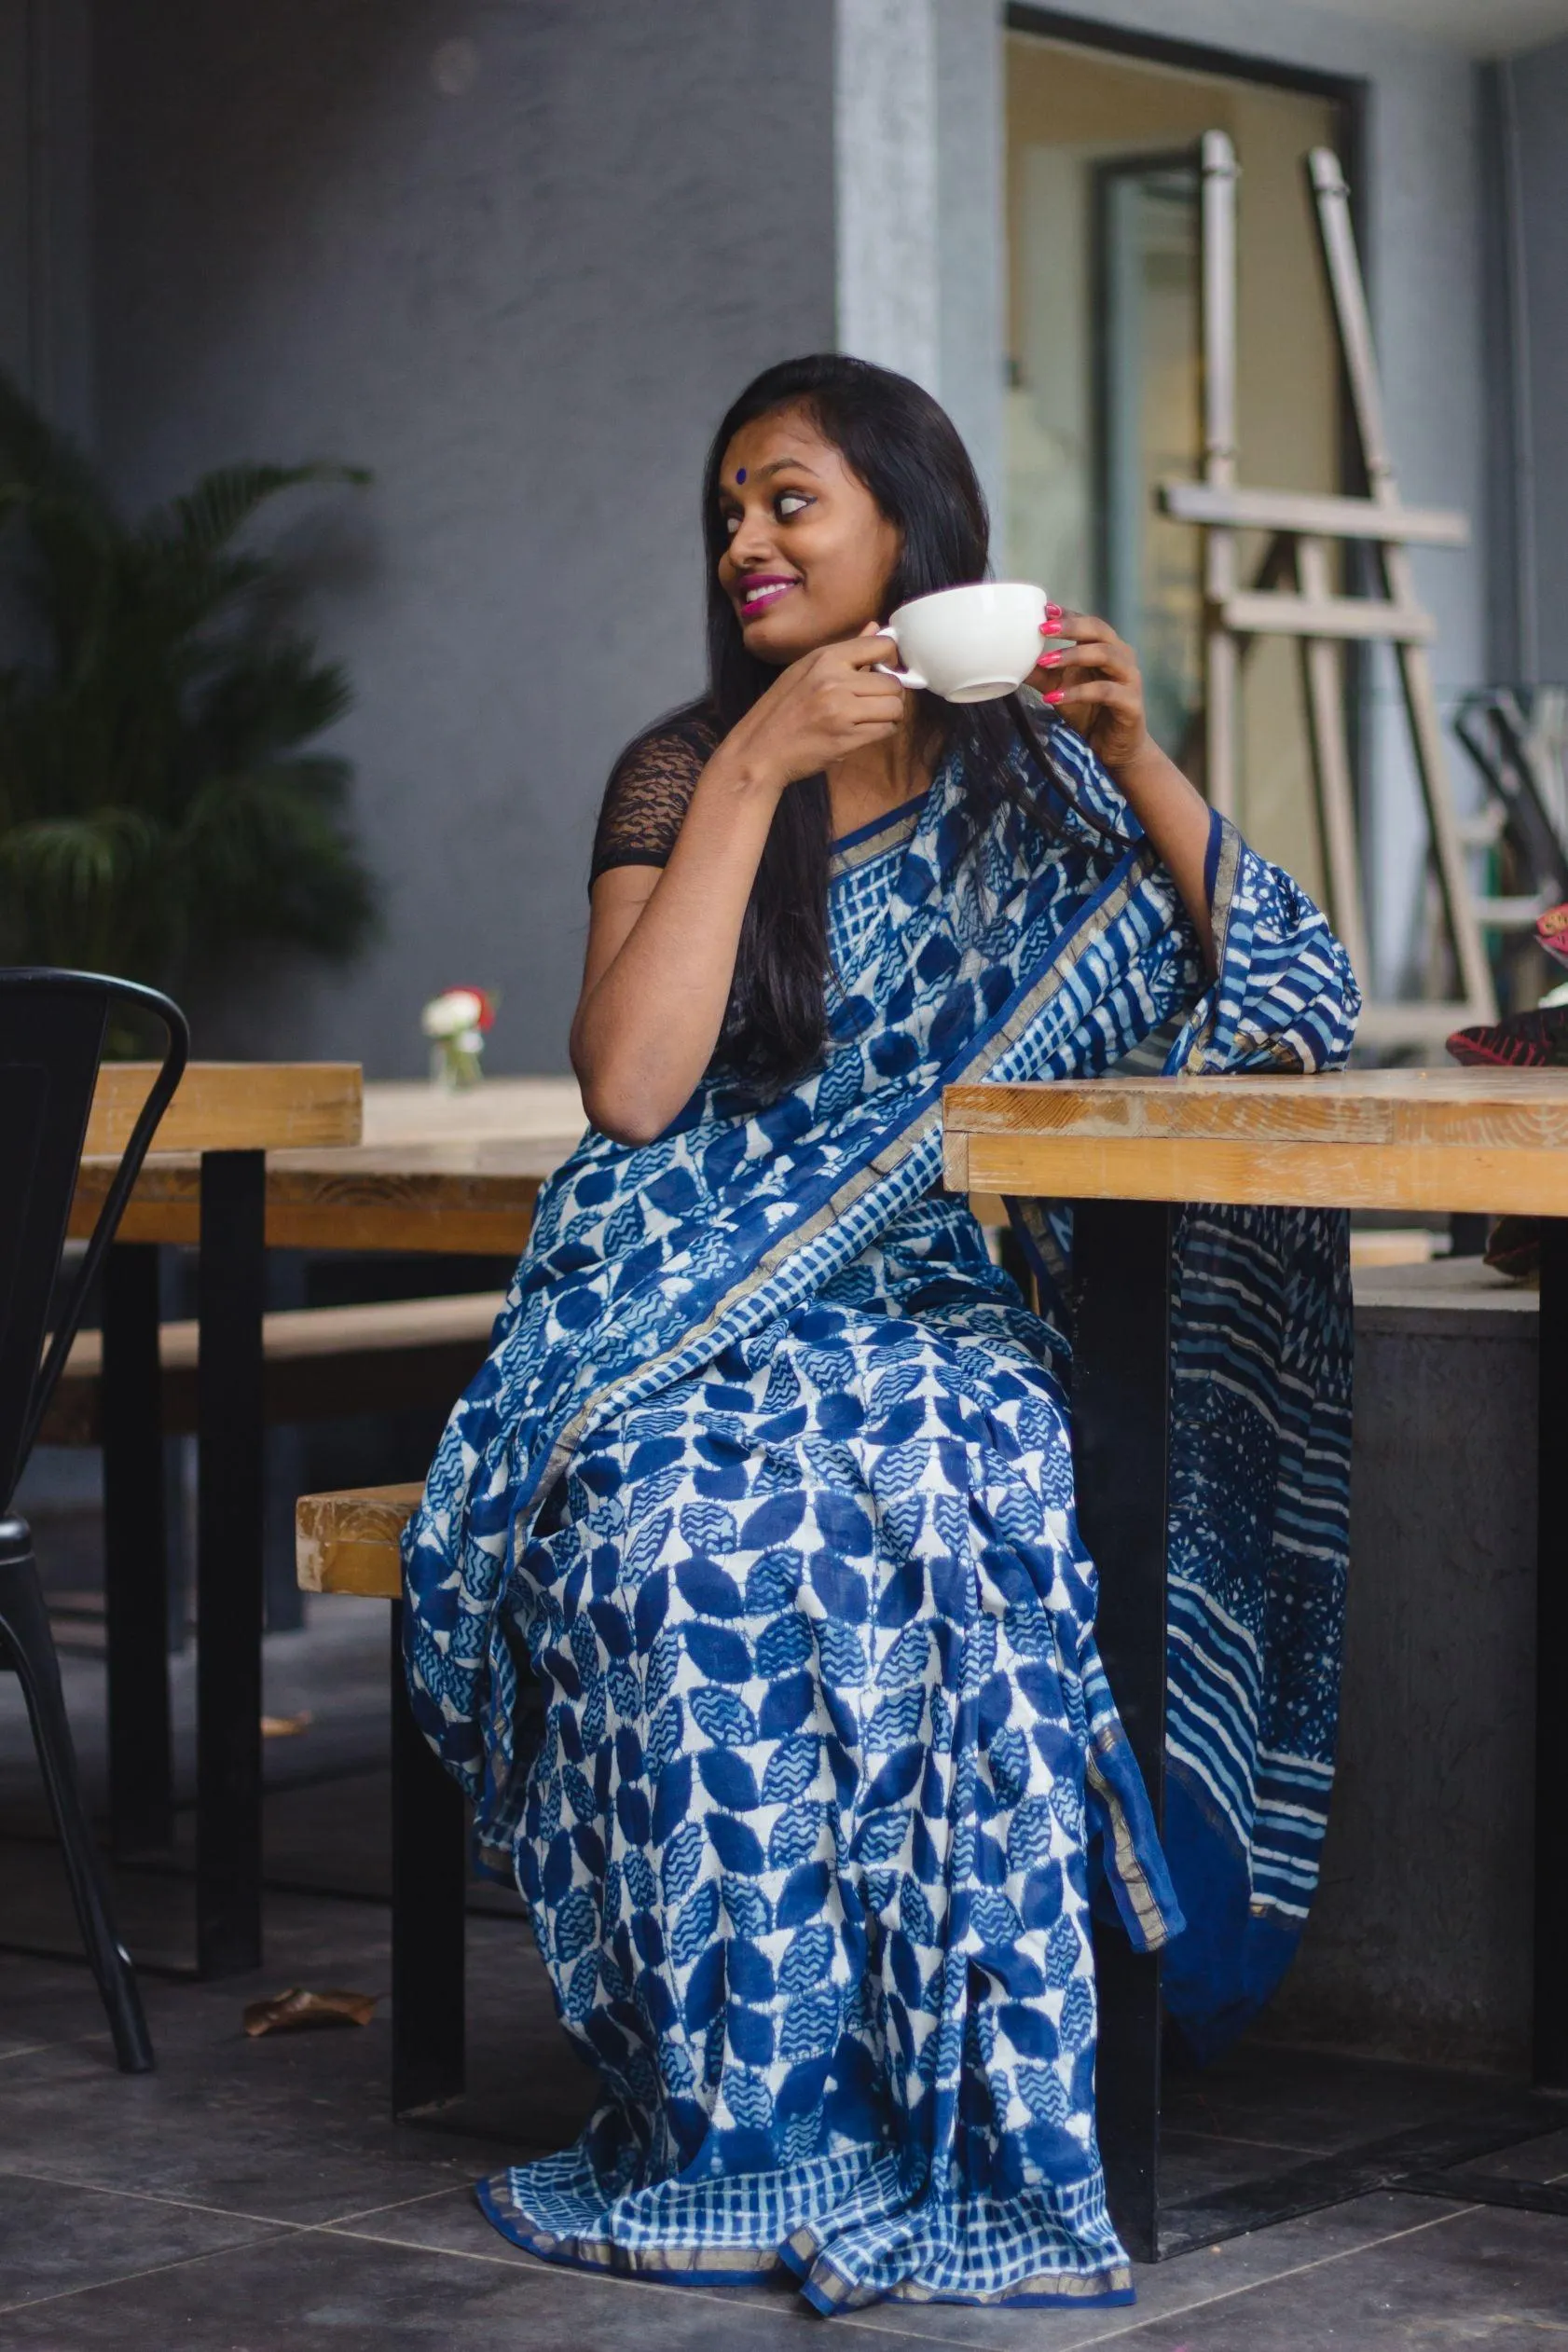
222, 502
163, 802
47, 462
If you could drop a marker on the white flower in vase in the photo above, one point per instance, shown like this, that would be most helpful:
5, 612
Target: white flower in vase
457, 1022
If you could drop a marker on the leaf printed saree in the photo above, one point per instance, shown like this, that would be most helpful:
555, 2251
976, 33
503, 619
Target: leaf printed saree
768, 1485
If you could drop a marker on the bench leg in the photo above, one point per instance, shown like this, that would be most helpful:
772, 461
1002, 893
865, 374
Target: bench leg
230, 1496
1121, 1418
135, 1555
1551, 1645
430, 1886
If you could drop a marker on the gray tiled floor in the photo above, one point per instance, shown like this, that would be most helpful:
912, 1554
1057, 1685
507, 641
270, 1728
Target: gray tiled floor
253, 2196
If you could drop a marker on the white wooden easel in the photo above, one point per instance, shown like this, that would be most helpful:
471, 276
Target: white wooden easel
1304, 529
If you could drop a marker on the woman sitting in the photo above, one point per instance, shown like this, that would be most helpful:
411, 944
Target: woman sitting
768, 1485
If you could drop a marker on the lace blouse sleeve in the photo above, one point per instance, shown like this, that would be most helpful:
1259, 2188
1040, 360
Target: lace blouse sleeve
649, 790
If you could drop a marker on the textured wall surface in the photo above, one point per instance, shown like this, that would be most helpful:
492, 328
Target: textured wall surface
1419, 1946
15, 192
884, 82
971, 325
919, 130
46, 227
517, 259
1540, 93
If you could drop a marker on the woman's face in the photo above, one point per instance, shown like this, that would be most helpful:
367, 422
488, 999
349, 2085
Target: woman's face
810, 553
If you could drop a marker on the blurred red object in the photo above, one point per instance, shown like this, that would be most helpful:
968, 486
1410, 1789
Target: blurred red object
1519, 1041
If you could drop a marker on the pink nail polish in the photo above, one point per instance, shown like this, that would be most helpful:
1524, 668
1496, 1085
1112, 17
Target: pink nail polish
1057, 696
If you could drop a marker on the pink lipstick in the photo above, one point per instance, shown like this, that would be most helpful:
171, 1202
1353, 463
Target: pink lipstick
760, 591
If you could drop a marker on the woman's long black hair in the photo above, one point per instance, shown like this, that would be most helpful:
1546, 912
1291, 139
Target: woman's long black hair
903, 448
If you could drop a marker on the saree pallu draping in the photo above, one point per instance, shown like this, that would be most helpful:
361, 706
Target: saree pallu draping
768, 1485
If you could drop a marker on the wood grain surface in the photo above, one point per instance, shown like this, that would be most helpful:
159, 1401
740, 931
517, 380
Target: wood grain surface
445, 1173
230, 1106
1417, 1139
416, 1199
347, 1542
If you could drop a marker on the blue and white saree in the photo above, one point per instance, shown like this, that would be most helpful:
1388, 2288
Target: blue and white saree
767, 1482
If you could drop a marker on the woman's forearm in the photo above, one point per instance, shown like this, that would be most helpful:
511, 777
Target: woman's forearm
1177, 818
660, 968
646, 1029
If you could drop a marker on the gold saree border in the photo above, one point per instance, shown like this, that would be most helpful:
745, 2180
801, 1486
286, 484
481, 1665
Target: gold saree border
873, 1172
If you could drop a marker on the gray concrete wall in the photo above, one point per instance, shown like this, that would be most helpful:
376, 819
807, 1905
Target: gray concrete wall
1418, 1944
517, 259
1538, 87
45, 229
919, 152
15, 192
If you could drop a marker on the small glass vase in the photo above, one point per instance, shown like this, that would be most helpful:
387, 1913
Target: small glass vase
456, 1064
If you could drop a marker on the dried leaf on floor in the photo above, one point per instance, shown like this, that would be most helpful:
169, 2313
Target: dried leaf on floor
298, 2011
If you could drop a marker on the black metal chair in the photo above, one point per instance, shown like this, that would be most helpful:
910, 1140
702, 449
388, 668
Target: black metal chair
52, 1030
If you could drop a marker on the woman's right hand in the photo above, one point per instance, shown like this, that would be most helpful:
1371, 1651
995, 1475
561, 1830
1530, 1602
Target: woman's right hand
831, 702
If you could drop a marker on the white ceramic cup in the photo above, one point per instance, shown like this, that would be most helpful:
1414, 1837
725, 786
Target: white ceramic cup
968, 644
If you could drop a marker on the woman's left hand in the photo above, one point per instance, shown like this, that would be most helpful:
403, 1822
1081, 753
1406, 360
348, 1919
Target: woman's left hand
1094, 682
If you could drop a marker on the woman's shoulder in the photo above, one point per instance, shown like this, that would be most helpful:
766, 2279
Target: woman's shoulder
651, 787
693, 727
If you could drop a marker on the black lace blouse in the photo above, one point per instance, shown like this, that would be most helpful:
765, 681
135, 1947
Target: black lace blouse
650, 790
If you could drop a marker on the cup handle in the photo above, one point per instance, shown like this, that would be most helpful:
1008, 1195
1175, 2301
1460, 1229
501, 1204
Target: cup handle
910, 677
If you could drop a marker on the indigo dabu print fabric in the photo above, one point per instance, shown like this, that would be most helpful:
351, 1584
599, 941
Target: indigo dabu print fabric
766, 1494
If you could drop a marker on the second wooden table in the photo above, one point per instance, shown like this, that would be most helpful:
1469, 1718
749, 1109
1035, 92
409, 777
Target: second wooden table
226, 1117
1127, 1152
253, 1156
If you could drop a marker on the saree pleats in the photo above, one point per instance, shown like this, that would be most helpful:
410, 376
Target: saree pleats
768, 1485
811, 1861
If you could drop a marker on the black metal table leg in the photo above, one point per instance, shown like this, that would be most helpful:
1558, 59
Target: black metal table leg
1120, 1414
230, 1493
135, 1554
430, 1884
1551, 1647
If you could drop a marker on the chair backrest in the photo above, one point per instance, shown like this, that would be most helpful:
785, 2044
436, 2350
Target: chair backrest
52, 1027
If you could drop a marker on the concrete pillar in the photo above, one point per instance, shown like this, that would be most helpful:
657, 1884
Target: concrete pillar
918, 148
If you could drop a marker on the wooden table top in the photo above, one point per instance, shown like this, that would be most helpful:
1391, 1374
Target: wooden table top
1439, 1139
438, 1172
460, 1173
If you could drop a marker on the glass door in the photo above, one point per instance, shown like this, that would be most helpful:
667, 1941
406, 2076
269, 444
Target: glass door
1105, 375
1148, 423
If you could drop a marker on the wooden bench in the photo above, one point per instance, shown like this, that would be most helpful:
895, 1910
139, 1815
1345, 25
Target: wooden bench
347, 1542
321, 1363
